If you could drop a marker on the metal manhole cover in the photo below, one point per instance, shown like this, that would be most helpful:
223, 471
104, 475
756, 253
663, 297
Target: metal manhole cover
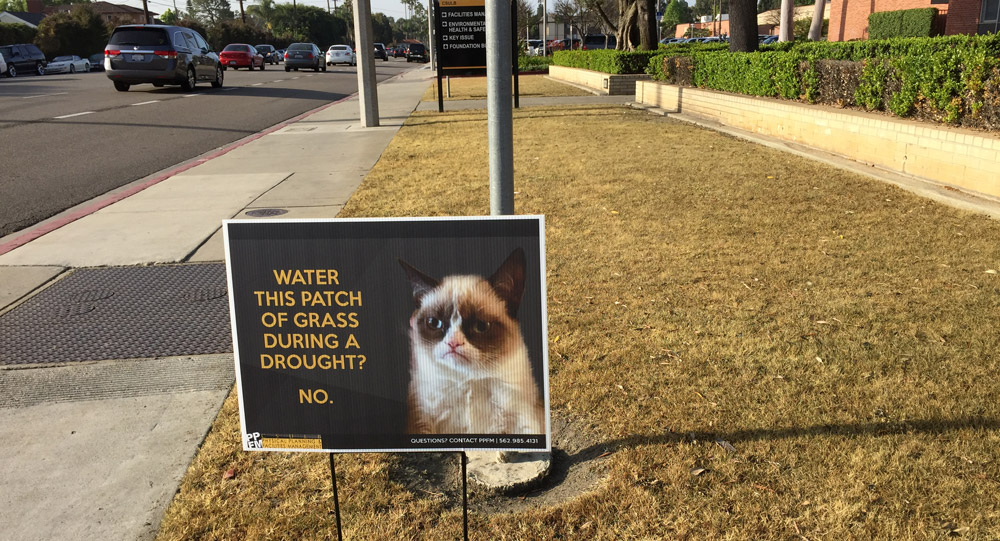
129, 313
265, 213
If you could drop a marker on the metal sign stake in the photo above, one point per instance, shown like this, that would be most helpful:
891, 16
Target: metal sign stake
465, 497
336, 500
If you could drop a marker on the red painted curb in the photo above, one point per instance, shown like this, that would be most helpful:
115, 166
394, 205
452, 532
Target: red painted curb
40, 230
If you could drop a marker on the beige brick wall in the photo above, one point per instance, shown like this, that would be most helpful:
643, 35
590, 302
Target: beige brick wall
615, 85
953, 156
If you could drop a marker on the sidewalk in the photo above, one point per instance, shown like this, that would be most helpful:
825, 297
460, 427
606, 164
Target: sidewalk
96, 449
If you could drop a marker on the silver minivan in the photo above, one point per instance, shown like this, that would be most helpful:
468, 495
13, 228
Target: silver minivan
160, 55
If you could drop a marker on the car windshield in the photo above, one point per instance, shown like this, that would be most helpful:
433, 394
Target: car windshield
240, 48
62, 59
339, 48
300, 47
139, 36
416, 48
267, 48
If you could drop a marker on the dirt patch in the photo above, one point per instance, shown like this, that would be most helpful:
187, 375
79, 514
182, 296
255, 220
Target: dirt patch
577, 469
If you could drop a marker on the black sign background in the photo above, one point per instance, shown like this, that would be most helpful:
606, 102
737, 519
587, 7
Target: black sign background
367, 410
461, 36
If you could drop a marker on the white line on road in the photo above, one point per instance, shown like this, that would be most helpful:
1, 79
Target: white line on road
44, 95
146, 102
256, 84
191, 95
74, 114
294, 78
277, 80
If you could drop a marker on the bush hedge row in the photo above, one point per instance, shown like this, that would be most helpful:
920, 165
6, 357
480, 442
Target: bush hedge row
903, 23
605, 60
954, 79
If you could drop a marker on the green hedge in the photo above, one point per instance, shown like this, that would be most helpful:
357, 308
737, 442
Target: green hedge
533, 63
11, 33
904, 23
950, 79
605, 60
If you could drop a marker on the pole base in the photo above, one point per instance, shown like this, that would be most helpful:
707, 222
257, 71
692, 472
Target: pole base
508, 472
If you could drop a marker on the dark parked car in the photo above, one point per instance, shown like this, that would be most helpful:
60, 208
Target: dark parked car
23, 58
161, 55
417, 52
400, 51
599, 41
380, 52
304, 55
97, 61
269, 52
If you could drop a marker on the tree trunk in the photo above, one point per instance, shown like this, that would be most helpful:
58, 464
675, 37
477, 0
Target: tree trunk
816, 28
743, 26
787, 32
647, 24
627, 31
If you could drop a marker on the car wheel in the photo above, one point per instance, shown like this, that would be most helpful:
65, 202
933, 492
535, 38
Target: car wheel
86, 68
190, 82
72, 68
40, 69
217, 83
287, 69
11, 72
121, 87
324, 69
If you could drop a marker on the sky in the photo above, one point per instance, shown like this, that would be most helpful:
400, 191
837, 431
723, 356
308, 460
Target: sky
392, 8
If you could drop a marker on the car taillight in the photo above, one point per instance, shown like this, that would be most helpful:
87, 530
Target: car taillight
310, 55
166, 54
112, 52
286, 54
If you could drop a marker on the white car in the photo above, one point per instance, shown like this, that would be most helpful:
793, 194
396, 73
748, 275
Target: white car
67, 64
3, 65
341, 54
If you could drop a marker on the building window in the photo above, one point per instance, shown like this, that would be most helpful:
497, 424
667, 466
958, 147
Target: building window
989, 17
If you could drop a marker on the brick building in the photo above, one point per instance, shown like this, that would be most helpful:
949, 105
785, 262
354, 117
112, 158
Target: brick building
849, 18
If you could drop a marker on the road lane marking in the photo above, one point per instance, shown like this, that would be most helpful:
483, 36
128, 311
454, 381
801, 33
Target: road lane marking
146, 102
256, 84
190, 95
294, 78
44, 95
277, 81
74, 114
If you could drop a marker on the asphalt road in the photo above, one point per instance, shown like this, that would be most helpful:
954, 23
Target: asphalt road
65, 139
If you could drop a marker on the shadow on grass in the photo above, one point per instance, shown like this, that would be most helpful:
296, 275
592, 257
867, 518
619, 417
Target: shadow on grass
586, 112
853, 430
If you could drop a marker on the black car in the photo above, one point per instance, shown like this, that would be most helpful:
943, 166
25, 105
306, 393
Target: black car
269, 52
161, 55
23, 58
305, 56
380, 52
417, 52
400, 51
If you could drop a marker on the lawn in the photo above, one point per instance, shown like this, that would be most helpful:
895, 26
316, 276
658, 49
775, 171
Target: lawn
743, 345
529, 86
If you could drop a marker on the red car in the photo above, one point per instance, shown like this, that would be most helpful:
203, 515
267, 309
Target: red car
241, 55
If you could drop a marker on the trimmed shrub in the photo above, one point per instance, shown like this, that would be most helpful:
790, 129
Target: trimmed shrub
533, 63
903, 23
11, 33
605, 60
947, 79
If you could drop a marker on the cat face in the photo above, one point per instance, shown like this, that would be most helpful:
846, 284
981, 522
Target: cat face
467, 323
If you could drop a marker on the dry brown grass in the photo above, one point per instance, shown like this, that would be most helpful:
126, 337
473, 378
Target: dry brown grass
840, 334
529, 86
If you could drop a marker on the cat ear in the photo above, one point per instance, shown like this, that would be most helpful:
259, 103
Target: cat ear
508, 281
421, 282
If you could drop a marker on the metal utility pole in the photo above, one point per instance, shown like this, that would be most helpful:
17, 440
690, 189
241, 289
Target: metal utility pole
545, 27
243, 15
430, 35
145, 12
367, 92
500, 111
